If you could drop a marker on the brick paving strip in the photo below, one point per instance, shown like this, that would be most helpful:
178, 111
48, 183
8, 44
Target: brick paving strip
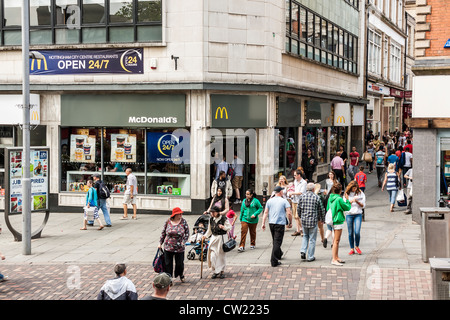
83, 282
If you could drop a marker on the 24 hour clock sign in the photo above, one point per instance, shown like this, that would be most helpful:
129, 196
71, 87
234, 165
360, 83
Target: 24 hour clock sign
125, 61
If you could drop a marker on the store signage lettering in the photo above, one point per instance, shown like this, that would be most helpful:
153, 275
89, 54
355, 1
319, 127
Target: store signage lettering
128, 61
152, 120
315, 121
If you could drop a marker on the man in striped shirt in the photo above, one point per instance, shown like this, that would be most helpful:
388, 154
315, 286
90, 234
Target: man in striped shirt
310, 209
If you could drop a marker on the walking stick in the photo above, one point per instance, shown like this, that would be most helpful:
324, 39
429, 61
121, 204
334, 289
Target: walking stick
201, 259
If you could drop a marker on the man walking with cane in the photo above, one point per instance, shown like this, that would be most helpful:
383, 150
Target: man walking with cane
276, 211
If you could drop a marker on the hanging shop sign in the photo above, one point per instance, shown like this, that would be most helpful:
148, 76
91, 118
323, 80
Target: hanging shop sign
127, 61
11, 106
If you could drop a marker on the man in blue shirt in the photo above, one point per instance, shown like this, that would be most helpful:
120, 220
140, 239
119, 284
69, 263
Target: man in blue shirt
276, 211
392, 159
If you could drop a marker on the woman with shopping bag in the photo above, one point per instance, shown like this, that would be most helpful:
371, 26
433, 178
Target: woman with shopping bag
91, 206
392, 184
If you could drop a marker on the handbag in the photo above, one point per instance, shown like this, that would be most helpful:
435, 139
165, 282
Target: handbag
367, 157
229, 245
158, 261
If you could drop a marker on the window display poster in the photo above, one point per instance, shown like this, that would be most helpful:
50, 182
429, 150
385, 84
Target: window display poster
82, 148
38, 176
123, 147
166, 147
168, 190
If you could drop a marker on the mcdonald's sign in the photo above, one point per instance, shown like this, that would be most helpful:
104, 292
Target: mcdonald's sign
37, 64
340, 119
11, 104
223, 110
342, 114
238, 111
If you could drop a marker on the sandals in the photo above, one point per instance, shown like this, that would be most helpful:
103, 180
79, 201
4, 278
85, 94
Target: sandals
222, 275
214, 275
84, 228
124, 218
100, 228
336, 263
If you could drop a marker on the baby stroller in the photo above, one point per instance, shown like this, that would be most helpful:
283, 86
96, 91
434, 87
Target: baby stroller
200, 227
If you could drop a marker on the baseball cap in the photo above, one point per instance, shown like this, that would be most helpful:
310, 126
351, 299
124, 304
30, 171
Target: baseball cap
162, 280
278, 189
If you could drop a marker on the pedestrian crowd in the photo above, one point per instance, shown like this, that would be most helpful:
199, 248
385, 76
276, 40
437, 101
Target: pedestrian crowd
315, 210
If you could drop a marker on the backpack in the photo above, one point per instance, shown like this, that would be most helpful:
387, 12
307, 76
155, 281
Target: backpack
103, 191
380, 159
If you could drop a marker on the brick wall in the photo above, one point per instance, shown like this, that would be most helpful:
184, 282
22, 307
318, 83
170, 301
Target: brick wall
432, 29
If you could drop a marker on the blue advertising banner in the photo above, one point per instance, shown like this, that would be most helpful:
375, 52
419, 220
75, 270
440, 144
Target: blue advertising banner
168, 147
128, 61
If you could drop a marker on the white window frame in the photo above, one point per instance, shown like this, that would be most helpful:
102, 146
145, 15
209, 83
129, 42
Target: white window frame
374, 52
395, 62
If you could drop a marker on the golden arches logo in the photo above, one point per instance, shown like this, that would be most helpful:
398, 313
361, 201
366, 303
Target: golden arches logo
222, 110
35, 116
39, 64
340, 119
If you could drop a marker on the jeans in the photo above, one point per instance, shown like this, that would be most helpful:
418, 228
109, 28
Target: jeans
309, 241
392, 196
277, 231
380, 171
354, 229
101, 204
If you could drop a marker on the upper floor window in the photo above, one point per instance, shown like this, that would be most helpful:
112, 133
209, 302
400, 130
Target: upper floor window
374, 52
396, 66
65, 22
316, 38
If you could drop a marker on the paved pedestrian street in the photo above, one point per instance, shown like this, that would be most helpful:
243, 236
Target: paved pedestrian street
69, 264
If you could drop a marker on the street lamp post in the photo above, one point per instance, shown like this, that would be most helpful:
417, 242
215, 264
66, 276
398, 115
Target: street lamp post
26, 182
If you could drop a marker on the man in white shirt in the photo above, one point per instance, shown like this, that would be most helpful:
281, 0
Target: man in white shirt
407, 165
300, 188
129, 196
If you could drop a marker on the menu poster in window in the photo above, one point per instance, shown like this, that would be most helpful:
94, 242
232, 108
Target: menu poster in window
123, 147
82, 148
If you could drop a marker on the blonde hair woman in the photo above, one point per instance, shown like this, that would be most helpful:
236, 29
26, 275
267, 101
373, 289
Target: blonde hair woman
391, 182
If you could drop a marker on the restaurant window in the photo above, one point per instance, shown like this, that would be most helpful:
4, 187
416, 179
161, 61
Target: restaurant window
338, 138
288, 148
110, 151
316, 140
83, 21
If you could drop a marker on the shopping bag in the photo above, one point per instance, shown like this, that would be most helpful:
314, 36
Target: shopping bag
401, 198
158, 261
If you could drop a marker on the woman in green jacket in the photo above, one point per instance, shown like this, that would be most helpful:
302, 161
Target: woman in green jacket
250, 210
337, 205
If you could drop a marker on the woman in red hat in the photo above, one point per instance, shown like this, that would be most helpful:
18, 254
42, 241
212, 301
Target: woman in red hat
174, 235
